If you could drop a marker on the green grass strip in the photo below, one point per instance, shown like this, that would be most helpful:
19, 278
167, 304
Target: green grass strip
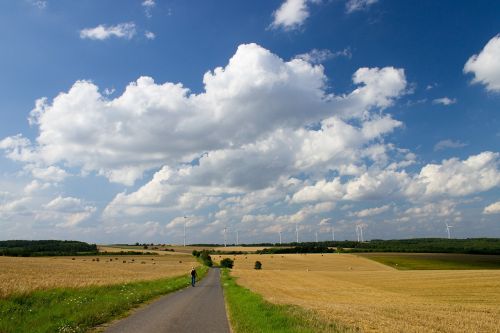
250, 313
80, 309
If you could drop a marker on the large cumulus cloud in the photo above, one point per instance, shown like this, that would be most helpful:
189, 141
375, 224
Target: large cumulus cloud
152, 124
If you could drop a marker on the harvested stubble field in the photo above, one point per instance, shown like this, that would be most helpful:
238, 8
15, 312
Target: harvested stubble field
364, 294
22, 275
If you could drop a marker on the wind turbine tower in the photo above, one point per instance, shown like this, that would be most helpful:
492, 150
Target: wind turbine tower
359, 232
316, 236
280, 236
333, 232
237, 238
297, 232
185, 218
448, 229
225, 236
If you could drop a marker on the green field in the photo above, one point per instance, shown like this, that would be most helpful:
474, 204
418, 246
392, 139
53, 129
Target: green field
435, 261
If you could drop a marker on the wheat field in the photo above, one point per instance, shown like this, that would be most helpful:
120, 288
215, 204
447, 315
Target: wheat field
21, 275
372, 297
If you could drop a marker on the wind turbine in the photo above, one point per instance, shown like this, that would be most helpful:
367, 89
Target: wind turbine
333, 232
297, 231
185, 218
237, 238
316, 236
448, 229
280, 236
359, 232
225, 236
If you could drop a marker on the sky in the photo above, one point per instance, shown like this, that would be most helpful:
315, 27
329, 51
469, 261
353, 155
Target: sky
124, 122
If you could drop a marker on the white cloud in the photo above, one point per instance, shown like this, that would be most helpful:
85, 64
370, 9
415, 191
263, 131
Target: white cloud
148, 7
380, 85
18, 148
291, 14
431, 86
66, 212
109, 91
444, 144
102, 32
302, 215
316, 56
35, 186
494, 208
40, 4
442, 209
190, 221
48, 174
486, 65
256, 104
149, 35
13, 206
452, 178
444, 101
372, 211
149, 3
356, 5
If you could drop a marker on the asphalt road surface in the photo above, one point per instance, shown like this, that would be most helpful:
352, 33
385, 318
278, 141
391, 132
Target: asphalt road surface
193, 309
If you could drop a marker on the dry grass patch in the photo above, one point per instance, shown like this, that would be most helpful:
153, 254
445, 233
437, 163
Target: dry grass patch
239, 248
375, 298
21, 275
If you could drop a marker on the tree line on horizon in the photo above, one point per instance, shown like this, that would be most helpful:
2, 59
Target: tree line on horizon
415, 245
38, 248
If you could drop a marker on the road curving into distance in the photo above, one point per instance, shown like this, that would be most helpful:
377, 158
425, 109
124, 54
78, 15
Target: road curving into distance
193, 309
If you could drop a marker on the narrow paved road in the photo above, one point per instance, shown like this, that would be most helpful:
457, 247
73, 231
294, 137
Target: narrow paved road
198, 309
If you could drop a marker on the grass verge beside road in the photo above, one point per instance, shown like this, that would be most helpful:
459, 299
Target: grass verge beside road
80, 309
250, 313
435, 261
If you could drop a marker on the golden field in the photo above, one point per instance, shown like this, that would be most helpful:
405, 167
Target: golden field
361, 293
19, 275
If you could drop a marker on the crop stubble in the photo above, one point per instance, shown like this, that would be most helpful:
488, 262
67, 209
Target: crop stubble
361, 293
22, 275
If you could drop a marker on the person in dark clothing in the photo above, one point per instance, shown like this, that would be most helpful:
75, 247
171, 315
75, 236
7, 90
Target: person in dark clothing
194, 275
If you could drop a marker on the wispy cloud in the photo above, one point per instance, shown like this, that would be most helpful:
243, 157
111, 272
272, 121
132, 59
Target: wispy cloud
148, 7
355, 5
444, 101
445, 144
102, 32
372, 211
316, 56
40, 4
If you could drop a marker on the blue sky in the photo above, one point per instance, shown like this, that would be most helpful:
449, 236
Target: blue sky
120, 123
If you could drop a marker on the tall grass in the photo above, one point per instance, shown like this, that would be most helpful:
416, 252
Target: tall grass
250, 313
79, 309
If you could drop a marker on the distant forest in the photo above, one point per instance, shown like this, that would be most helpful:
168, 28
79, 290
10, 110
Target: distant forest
415, 245
36, 248
429, 245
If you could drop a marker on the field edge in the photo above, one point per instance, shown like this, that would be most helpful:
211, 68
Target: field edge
248, 312
84, 309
